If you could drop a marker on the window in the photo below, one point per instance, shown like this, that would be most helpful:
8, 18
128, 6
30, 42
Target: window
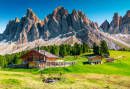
35, 58
25, 57
29, 57
41, 57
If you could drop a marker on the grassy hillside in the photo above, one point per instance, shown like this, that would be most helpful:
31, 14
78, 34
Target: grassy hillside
119, 67
119, 53
108, 75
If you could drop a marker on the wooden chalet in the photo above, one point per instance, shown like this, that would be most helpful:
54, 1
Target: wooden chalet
37, 58
95, 60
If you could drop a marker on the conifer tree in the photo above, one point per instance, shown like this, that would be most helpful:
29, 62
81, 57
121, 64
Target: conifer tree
63, 50
95, 49
104, 48
68, 49
54, 50
85, 47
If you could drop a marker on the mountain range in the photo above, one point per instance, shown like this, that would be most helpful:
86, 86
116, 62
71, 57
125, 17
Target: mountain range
62, 27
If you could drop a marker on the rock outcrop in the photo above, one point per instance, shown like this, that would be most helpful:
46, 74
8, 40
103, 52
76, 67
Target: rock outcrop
11, 28
61, 22
118, 24
25, 30
105, 26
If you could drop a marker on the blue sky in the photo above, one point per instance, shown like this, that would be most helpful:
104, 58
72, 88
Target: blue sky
96, 10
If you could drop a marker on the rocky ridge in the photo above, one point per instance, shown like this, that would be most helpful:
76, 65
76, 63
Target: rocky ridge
118, 24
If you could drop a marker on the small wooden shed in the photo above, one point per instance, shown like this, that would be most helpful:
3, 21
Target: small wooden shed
110, 60
95, 60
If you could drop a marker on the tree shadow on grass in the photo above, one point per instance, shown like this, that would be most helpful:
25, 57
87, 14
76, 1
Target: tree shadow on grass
88, 55
85, 63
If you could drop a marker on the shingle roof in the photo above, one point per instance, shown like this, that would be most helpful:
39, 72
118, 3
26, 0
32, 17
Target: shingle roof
108, 58
49, 55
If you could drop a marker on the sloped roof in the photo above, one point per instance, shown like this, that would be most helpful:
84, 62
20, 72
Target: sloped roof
109, 58
47, 54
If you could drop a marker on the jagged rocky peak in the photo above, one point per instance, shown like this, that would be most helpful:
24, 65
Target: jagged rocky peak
31, 15
60, 11
121, 21
94, 25
17, 20
80, 13
74, 12
116, 15
105, 26
114, 25
80, 20
106, 21
116, 19
126, 18
56, 23
29, 28
128, 13
11, 27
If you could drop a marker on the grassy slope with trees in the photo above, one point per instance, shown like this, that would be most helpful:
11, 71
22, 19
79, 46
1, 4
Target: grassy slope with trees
119, 67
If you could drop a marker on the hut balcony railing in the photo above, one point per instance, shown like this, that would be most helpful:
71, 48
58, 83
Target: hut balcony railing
41, 59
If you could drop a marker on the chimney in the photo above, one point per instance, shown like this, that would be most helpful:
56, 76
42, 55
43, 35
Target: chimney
44, 52
44, 56
57, 54
38, 48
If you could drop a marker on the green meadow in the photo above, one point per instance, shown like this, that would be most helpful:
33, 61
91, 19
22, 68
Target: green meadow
121, 65
82, 75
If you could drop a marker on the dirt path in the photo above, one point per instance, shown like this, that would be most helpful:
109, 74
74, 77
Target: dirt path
122, 56
119, 56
